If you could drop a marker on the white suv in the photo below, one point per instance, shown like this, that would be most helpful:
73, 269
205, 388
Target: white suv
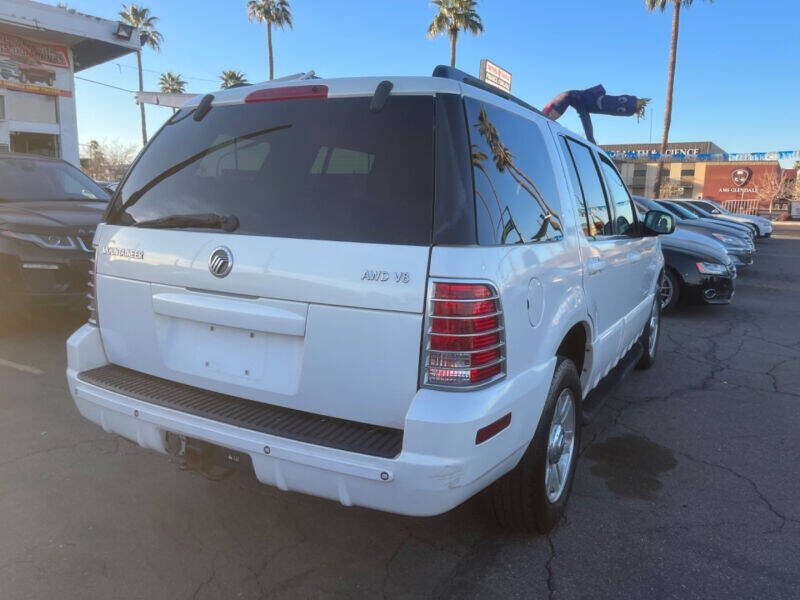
390, 293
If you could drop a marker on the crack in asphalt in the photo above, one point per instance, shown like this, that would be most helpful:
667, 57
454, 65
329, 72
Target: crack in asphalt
551, 578
208, 580
49, 450
783, 518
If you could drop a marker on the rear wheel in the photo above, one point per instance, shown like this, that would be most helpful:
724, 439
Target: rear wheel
533, 496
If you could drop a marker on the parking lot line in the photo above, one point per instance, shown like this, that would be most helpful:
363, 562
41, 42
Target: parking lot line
20, 367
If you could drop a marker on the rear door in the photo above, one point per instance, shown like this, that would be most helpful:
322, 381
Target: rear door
603, 253
640, 257
320, 308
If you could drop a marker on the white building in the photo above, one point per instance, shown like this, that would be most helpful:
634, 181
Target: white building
41, 49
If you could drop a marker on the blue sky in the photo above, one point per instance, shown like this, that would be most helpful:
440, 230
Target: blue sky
736, 84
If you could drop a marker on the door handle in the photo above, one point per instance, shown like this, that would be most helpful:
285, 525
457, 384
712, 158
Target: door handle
595, 265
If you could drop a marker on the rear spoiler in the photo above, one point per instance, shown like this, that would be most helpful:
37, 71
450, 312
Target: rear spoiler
178, 100
162, 99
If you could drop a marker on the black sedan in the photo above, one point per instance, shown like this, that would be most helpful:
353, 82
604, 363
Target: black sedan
695, 272
48, 213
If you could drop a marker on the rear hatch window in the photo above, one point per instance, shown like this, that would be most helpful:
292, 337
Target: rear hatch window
324, 169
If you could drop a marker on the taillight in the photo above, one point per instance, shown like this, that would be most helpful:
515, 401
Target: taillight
92, 291
289, 92
464, 340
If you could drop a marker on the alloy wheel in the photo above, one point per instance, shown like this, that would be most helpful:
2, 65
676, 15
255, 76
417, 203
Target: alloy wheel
654, 325
666, 291
560, 446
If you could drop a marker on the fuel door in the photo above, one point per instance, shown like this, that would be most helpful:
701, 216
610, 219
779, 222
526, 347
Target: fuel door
535, 302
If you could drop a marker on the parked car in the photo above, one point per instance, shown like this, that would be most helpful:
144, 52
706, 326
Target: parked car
701, 212
698, 267
388, 292
748, 231
716, 209
108, 186
48, 214
738, 243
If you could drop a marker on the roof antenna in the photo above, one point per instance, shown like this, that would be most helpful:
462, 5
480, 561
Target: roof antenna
203, 108
380, 96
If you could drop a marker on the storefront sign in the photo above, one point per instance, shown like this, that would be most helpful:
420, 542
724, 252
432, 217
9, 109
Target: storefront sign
34, 67
494, 75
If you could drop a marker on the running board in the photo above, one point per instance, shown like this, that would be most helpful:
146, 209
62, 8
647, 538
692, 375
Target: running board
595, 400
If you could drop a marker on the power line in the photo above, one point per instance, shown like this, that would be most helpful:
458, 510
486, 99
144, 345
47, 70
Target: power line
159, 73
104, 84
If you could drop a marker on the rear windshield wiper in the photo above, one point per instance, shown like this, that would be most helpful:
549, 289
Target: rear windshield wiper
202, 221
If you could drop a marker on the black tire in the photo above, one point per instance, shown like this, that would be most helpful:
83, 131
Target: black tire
519, 499
650, 350
674, 281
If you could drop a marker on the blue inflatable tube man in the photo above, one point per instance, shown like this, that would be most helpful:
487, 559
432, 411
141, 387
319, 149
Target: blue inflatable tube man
595, 101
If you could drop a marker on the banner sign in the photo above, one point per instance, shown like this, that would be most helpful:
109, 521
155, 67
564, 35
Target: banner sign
740, 156
34, 67
494, 75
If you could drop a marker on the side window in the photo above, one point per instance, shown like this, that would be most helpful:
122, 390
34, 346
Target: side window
593, 194
709, 207
580, 204
516, 197
624, 221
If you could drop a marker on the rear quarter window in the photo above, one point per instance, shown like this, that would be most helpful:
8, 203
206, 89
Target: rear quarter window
516, 197
324, 169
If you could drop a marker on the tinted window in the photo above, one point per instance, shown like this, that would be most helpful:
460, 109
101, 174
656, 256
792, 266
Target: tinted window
30, 179
624, 221
687, 211
706, 206
316, 169
599, 222
679, 211
454, 211
580, 205
516, 197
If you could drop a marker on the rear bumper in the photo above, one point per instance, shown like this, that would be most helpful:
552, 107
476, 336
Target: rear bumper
438, 468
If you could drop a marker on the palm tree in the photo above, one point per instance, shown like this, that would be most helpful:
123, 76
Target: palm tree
271, 12
231, 78
652, 6
148, 36
170, 83
453, 16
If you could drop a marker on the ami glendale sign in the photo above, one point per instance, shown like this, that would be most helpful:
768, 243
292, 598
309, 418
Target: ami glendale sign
733, 182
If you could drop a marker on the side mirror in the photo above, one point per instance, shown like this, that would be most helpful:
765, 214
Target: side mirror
657, 222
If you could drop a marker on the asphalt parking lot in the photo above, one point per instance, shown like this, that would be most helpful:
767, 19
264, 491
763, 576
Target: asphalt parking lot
688, 486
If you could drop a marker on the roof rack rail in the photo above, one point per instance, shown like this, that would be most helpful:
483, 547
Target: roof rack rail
296, 77
459, 75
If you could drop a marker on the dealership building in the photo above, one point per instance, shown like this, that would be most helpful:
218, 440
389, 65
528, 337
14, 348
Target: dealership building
698, 169
41, 49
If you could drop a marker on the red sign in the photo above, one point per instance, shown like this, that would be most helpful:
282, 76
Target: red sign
27, 51
33, 67
736, 182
